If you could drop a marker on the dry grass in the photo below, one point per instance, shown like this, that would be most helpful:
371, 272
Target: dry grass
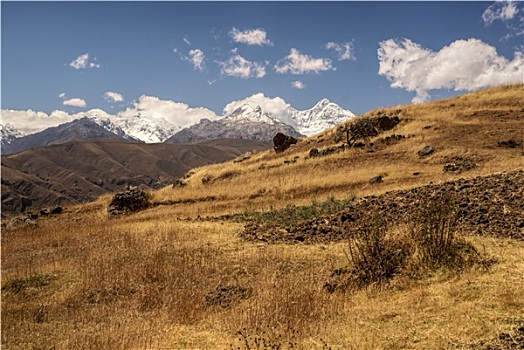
177, 277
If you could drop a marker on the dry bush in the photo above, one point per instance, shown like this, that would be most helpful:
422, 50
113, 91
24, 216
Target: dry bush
430, 241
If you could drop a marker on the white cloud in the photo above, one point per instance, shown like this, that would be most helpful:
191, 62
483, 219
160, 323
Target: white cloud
250, 37
463, 65
508, 13
298, 85
197, 57
500, 10
75, 102
297, 63
276, 106
238, 66
62, 95
113, 97
186, 40
344, 51
29, 121
176, 113
82, 62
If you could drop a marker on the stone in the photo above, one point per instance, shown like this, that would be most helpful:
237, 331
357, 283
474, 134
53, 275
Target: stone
426, 151
129, 201
282, 142
375, 179
57, 210
314, 153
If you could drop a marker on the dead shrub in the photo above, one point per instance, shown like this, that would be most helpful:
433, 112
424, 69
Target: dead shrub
429, 241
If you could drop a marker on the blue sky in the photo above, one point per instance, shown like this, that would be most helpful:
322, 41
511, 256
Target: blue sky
77, 56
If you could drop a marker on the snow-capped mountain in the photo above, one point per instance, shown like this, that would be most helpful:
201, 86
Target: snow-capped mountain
149, 130
245, 122
85, 128
9, 133
249, 121
322, 116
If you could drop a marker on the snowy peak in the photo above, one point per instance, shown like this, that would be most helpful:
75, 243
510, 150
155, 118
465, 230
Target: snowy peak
147, 129
249, 114
9, 133
324, 115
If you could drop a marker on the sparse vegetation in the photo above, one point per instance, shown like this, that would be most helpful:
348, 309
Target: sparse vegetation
181, 275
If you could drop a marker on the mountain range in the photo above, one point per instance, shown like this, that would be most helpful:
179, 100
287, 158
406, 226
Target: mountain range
245, 122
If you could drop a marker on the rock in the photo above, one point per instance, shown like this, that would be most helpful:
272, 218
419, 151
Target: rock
364, 128
57, 210
45, 212
509, 144
282, 142
314, 153
375, 179
129, 201
179, 183
458, 167
426, 151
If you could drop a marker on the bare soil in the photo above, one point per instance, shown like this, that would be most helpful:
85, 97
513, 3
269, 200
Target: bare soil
487, 205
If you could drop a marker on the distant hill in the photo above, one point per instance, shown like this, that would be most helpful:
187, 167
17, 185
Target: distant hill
82, 129
80, 171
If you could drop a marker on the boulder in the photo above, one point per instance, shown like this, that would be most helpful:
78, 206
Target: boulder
282, 142
129, 201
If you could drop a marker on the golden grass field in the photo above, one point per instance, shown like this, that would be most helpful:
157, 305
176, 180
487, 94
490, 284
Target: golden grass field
82, 280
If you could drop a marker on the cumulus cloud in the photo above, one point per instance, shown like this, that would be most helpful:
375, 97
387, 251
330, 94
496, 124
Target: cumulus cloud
238, 66
75, 102
276, 105
298, 85
250, 37
344, 51
29, 121
297, 63
113, 97
82, 62
463, 65
176, 113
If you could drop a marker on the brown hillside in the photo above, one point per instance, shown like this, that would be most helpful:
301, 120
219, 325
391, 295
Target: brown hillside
289, 251
81, 171
481, 133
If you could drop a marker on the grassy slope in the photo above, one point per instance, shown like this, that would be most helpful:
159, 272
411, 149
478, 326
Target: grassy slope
83, 281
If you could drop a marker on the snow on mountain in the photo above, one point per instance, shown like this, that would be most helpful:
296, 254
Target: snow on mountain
322, 116
147, 129
9, 133
255, 117
245, 122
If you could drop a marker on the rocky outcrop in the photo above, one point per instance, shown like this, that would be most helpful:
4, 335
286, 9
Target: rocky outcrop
282, 142
129, 201
486, 205
365, 128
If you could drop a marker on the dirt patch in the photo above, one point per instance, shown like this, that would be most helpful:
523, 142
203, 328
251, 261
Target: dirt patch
487, 205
